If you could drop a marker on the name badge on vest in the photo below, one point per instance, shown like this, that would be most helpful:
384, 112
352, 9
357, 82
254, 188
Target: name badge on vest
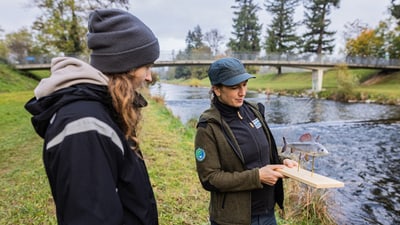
256, 123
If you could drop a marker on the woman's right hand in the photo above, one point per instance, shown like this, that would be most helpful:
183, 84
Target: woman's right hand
269, 175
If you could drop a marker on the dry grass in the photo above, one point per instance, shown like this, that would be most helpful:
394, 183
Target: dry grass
305, 204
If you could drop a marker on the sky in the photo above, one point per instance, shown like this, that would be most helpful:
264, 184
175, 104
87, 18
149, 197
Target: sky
171, 20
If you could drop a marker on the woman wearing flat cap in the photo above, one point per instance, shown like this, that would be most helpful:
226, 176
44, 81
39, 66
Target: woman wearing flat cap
236, 155
88, 116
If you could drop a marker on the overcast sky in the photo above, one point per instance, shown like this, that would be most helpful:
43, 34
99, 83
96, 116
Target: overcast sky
172, 19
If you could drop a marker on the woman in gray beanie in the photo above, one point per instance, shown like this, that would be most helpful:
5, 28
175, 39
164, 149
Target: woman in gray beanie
88, 116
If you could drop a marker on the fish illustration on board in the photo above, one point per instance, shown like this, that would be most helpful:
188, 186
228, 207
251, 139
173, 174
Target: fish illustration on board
306, 147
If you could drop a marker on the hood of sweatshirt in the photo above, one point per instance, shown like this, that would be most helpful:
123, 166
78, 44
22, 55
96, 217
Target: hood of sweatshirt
66, 72
70, 80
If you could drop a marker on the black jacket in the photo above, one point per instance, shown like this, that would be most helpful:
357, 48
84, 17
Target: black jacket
95, 177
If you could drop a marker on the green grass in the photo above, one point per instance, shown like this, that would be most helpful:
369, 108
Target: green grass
168, 150
388, 85
386, 90
290, 81
40, 74
167, 144
25, 195
11, 80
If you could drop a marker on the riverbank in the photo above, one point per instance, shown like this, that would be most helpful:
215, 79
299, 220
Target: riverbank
168, 150
181, 199
340, 84
167, 145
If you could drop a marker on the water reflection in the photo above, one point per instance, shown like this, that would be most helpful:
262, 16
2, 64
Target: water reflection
363, 141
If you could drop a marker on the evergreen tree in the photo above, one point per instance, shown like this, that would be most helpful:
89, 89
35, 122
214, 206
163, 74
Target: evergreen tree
317, 38
195, 49
281, 34
395, 10
247, 30
194, 39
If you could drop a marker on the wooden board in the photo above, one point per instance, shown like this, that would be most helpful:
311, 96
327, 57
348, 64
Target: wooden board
311, 179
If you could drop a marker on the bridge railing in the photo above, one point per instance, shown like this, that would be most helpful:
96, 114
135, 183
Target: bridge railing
300, 58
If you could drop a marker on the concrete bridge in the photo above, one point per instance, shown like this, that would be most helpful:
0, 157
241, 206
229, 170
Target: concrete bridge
317, 64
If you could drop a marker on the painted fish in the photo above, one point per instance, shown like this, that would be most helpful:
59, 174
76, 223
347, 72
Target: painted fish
305, 146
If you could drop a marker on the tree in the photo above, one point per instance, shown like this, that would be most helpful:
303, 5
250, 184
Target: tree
246, 28
96, 4
214, 39
353, 29
317, 38
3, 46
59, 29
368, 43
195, 49
281, 34
194, 39
19, 44
381, 42
62, 26
392, 39
395, 10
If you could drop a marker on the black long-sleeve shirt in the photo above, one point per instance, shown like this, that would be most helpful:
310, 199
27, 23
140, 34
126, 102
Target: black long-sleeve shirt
254, 146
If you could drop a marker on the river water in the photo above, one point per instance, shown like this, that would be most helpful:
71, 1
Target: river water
363, 141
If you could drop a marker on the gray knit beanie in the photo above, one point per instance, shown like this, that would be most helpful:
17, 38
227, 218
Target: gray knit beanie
120, 41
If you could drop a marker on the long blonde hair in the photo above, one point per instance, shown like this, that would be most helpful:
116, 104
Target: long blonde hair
122, 88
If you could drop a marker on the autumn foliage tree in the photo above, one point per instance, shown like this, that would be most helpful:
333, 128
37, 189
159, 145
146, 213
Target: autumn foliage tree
368, 43
381, 42
61, 28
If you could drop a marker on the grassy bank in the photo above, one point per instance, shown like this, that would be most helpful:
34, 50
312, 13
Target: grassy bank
363, 85
25, 195
168, 148
167, 144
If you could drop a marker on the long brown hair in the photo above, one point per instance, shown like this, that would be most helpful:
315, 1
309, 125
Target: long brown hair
122, 88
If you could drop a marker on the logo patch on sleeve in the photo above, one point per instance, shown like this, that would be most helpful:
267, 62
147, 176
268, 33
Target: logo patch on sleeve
200, 154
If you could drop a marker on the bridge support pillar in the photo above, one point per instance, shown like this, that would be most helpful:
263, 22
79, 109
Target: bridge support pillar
317, 76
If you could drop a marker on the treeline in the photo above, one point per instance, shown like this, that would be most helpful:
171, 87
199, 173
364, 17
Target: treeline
283, 36
61, 29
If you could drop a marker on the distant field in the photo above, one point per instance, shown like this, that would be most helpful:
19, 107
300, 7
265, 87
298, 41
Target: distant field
384, 85
380, 87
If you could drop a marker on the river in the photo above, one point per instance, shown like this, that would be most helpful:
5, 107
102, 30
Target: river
363, 141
